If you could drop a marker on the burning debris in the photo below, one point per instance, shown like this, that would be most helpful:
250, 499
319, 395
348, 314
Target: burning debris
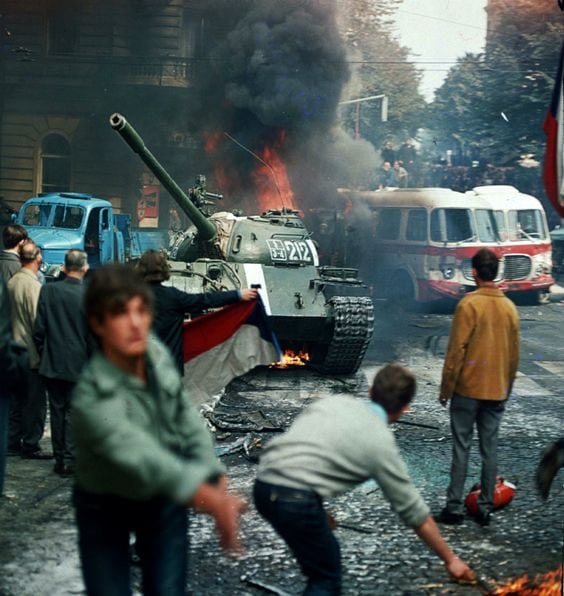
549, 584
292, 358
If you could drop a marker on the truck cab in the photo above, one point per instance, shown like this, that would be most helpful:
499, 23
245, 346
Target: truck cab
58, 222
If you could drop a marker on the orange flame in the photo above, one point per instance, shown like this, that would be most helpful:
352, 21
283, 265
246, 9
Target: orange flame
273, 189
273, 186
211, 141
291, 358
549, 584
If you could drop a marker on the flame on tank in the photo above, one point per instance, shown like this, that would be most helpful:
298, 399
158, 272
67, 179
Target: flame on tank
292, 358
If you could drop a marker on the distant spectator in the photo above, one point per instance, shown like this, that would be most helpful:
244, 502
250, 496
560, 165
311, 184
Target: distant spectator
387, 178
64, 345
400, 175
408, 154
11, 368
12, 237
387, 153
28, 408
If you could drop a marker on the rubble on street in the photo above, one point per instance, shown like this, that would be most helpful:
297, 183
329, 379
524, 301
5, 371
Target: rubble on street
38, 536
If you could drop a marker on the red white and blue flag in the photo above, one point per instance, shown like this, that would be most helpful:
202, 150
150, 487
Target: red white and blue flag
228, 343
554, 154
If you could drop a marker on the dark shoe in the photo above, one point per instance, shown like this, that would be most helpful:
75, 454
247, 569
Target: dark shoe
63, 470
449, 518
36, 454
482, 519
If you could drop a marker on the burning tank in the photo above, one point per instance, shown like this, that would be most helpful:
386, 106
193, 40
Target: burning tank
324, 312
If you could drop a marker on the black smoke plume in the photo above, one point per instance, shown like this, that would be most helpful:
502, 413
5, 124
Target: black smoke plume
273, 73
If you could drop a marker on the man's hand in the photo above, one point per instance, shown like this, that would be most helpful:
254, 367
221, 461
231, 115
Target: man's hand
460, 571
443, 401
226, 509
248, 294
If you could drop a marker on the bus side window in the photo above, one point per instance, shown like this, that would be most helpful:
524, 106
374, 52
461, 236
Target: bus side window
416, 225
388, 225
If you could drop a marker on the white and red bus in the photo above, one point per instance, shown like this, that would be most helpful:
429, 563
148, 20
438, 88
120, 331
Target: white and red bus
420, 241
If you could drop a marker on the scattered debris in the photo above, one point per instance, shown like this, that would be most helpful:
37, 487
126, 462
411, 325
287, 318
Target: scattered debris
252, 581
242, 421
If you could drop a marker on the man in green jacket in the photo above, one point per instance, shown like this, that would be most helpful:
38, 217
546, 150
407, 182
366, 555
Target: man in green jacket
143, 454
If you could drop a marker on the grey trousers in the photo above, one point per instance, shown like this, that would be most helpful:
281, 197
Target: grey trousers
464, 413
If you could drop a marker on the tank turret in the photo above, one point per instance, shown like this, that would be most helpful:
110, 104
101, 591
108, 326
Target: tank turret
324, 312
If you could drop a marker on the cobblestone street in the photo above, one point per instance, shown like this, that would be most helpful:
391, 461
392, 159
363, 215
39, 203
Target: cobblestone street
38, 554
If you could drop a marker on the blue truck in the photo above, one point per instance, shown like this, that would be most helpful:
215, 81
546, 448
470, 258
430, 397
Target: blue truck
60, 221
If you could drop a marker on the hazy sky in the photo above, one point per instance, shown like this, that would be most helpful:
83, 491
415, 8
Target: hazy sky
438, 32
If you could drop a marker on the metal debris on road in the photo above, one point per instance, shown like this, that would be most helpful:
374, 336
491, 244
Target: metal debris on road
252, 581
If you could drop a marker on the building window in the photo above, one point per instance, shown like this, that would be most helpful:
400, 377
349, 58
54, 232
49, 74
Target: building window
55, 164
61, 30
193, 34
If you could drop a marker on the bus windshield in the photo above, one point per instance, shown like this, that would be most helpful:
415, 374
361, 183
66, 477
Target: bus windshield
452, 225
487, 224
526, 224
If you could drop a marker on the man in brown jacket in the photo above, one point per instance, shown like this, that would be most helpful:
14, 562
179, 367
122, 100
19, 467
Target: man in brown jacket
478, 374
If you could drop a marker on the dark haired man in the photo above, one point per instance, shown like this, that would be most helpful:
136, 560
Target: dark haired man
28, 407
334, 445
478, 373
143, 454
172, 305
12, 237
64, 345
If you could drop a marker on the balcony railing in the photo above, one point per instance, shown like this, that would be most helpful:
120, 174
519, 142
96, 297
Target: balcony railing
75, 70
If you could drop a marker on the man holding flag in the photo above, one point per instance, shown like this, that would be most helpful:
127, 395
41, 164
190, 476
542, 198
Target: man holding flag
172, 305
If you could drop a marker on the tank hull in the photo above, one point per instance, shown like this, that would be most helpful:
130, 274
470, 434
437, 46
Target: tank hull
309, 311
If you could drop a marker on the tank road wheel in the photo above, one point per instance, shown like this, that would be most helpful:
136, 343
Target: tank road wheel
401, 290
353, 323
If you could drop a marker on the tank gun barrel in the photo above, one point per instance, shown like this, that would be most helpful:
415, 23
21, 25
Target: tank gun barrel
206, 229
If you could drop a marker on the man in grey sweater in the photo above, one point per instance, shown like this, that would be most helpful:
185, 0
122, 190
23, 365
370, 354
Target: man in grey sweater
334, 445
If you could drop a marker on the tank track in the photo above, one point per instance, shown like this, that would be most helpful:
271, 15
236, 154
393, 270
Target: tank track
353, 326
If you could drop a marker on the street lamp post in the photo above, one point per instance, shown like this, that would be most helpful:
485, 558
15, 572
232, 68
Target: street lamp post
383, 112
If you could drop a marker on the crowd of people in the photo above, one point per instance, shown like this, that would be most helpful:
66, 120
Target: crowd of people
397, 165
124, 426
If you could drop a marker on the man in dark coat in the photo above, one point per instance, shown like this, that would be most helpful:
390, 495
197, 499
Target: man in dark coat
64, 344
172, 305
12, 237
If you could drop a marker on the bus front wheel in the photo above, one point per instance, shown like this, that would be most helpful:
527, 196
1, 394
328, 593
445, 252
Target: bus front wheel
401, 290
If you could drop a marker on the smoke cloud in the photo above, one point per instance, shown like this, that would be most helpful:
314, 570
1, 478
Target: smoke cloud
276, 77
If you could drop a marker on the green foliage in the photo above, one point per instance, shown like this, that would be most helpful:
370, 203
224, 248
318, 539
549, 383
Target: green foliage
380, 66
496, 102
